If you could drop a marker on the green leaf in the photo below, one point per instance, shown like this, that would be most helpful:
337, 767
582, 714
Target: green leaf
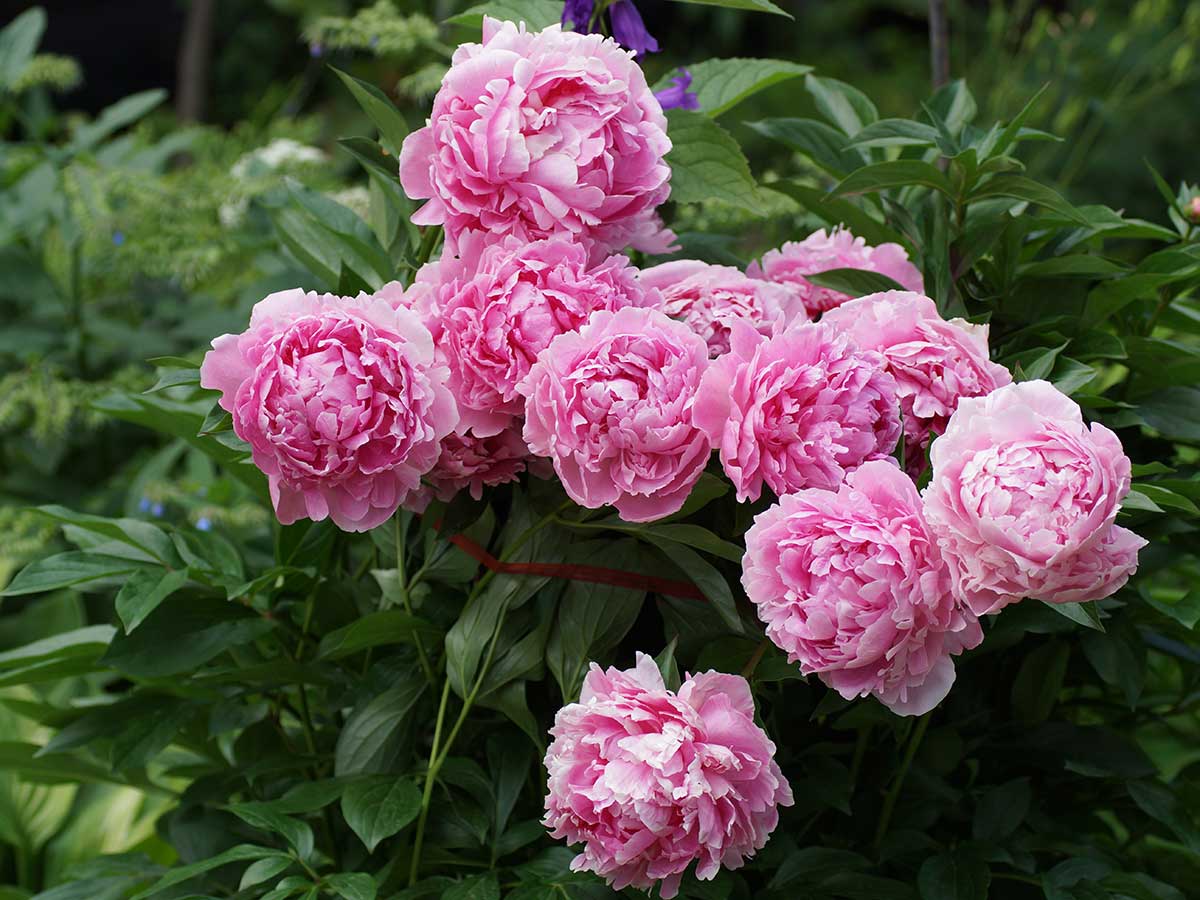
143, 591
352, 885
371, 740
707, 163
1009, 135
815, 864
18, 43
81, 642
896, 133
195, 631
1160, 803
836, 211
387, 627
1001, 810
752, 5
378, 808
721, 84
1173, 412
1185, 611
953, 876
476, 887
298, 834
711, 582
536, 14
379, 109
124, 112
855, 282
150, 539
1074, 265
1039, 680
823, 144
1018, 187
1085, 614
846, 107
264, 870
893, 174
69, 569
186, 873
1163, 498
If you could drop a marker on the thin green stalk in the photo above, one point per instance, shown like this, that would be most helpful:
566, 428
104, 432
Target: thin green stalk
430, 778
752, 663
407, 601
889, 802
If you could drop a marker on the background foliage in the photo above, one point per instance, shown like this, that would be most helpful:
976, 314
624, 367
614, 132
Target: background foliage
197, 702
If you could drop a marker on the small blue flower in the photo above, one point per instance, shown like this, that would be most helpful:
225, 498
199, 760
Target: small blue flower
678, 96
144, 504
118, 237
157, 510
315, 50
204, 523
374, 40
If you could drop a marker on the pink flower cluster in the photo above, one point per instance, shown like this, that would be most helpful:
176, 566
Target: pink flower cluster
650, 780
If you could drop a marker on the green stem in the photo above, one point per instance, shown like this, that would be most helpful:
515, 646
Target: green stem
889, 802
407, 601
752, 663
860, 751
430, 778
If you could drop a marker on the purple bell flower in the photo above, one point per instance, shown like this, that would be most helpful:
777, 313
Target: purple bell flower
577, 14
678, 96
629, 29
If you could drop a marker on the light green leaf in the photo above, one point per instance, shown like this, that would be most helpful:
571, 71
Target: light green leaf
894, 174
536, 14
823, 144
18, 43
143, 591
124, 112
387, 627
352, 885
707, 163
721, 84
69, 569
90, 641
846, 107
1018, 187
186, 873
1085, 614
380, 110
896, 133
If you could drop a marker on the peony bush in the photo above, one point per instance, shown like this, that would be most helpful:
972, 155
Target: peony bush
536, 459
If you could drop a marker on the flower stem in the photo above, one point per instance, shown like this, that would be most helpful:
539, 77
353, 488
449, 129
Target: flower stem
755, 657
407, 601
430, 777
889, 802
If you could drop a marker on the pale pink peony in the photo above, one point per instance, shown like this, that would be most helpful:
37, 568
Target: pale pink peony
850, 584
611, 406
498, 305
340, 400
541, 133
935, 362
1023, 499
707, 298
471, 463
797, 410
649, 780
839, 249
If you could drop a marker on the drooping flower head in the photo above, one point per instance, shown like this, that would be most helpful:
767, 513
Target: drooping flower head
541, 133
935, 363
796, 410
611, 406
839, 249
649, 780
708, 298
496, 306
1023, 500
340, 400
628, 29
678, 95
850, 584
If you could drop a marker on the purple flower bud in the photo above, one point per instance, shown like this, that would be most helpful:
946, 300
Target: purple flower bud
678, 96
577, 14
629, 29
315, 50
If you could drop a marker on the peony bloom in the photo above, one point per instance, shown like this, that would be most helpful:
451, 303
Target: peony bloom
851, 586
649, 780
340, 400
797, 410
471, 463
612, 408
707, 298
839, 249
935, 362
542, 133
1023, 500
501, 304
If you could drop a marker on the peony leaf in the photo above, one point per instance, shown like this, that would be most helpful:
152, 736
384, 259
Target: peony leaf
707, 163
721, 84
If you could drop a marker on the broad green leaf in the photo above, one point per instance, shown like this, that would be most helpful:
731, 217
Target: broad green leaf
351, 885
1085, 614
88, 642
124, 112
1185, 610
18, 43
823, 144
536, 14
814, 864
707, 163
195, 631
896, 133
846, 107
1018, 187
711, 582
475, 887
298, 834
855, 282
1158, 801
1173, 412
1074, 265
387, 627
371, 740
721, 84
378, 808
185, 873
380, 110
838, 212
1001, 810
143, 591
752, 5
894, 174
1037, 683
70, 569
954, 876
148, 538
264, 870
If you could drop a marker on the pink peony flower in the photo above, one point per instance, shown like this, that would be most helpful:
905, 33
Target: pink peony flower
649, 780
852, 586
340, 400
1023, 500
611, 406
499, 305
797, 410
839, 249
708, 297
471, 463
541, 133
935, 362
